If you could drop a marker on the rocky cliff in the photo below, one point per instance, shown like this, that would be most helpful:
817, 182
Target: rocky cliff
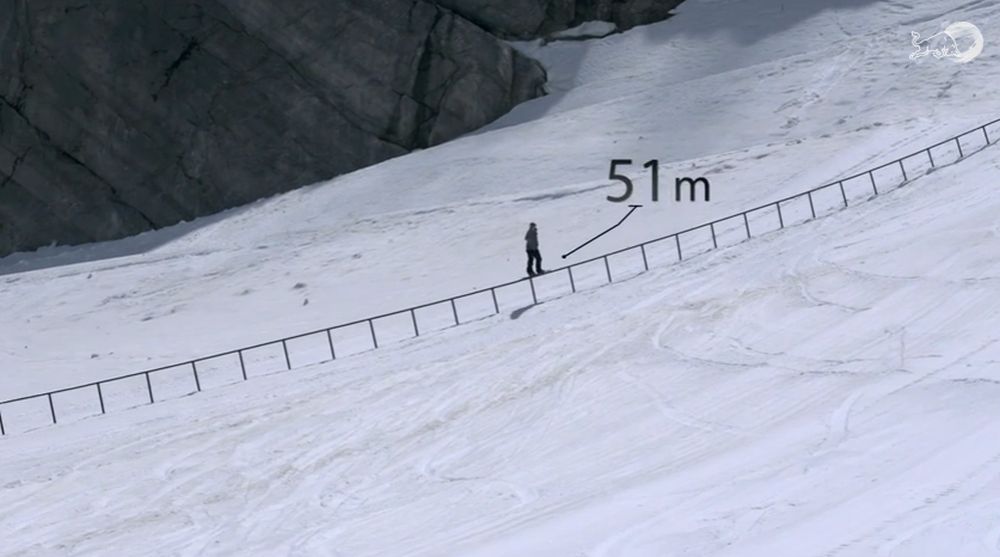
117, 116
529, 19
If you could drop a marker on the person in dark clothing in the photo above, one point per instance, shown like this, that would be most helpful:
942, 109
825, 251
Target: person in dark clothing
534, 256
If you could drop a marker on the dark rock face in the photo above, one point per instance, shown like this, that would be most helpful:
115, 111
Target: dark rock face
508, 18
529, 19
117, 116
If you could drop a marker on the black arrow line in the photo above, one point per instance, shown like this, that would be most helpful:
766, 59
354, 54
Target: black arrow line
634, 207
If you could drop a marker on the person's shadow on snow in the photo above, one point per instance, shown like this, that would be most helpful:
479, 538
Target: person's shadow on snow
520, 311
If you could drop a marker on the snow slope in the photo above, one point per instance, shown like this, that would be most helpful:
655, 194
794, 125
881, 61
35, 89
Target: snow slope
827, 390
765, 98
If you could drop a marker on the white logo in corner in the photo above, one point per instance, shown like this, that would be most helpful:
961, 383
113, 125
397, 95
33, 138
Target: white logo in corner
961, 41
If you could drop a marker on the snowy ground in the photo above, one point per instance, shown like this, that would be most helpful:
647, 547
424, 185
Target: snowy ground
780, 101
828, 390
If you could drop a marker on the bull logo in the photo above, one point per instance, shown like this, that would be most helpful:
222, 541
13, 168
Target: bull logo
949, 43
940, 45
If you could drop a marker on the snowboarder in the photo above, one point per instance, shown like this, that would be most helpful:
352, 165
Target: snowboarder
534, 256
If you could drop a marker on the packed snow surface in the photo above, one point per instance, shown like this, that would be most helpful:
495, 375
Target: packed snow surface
829, 389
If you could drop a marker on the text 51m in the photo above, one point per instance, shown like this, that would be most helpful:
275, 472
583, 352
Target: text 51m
654, 165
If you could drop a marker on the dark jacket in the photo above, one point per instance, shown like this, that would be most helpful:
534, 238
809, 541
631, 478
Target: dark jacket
532, 238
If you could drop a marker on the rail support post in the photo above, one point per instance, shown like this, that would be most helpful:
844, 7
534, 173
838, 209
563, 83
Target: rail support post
496, 305
52, 408
329, 340
100, 397
288, 361
812, 206
197, 382
243, 365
